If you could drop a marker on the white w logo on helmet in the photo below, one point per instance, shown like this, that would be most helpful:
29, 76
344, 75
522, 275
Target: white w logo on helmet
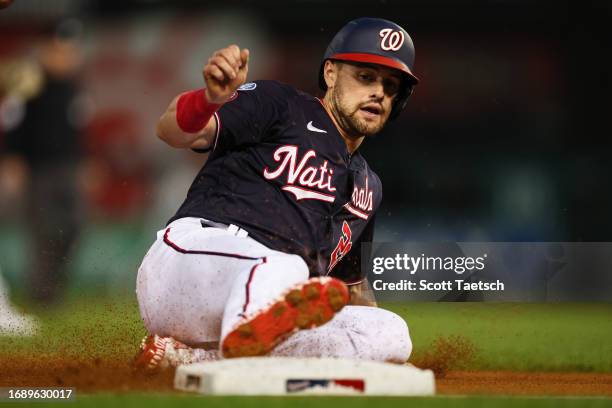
391, 40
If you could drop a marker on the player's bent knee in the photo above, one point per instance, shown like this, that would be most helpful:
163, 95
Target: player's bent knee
402, 343
287, 263
392, 338
297, 263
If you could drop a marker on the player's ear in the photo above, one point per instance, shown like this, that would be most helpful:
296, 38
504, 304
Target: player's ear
330, 72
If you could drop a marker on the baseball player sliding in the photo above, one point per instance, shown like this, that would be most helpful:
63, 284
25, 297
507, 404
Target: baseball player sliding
270, 233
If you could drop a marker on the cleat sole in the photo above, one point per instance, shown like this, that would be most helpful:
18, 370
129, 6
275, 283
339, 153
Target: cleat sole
306, 306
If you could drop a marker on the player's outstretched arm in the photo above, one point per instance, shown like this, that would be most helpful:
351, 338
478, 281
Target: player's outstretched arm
187, 123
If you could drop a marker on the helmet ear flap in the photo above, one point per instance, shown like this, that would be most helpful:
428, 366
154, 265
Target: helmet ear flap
409, 89
401, 100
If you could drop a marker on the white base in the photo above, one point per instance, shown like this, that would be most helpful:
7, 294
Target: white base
303, 376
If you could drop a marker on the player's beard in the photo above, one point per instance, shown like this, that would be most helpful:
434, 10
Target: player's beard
347, 116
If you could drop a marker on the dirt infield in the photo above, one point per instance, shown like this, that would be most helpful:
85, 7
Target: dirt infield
85, 375
103, 375
517, 383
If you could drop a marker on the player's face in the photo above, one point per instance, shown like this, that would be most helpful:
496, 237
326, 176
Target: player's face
363, 95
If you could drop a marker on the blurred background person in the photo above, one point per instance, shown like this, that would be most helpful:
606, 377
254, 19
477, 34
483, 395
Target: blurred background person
43, 147
12, 173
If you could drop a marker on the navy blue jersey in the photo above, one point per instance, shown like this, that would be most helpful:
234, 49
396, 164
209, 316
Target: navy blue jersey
280, 169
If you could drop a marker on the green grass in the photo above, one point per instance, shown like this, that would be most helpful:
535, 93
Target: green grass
182, 400
511, 336
515, 336
103, 327
505, 337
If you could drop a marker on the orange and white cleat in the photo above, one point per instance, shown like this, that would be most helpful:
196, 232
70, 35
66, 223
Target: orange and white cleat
158, 353
305, 306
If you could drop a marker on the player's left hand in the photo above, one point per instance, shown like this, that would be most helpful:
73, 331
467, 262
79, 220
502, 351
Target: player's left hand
225, 71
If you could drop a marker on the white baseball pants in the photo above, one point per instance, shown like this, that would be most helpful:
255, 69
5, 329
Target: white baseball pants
197, 283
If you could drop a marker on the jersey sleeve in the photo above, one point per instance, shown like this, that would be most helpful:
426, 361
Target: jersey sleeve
349, 268
256, 112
